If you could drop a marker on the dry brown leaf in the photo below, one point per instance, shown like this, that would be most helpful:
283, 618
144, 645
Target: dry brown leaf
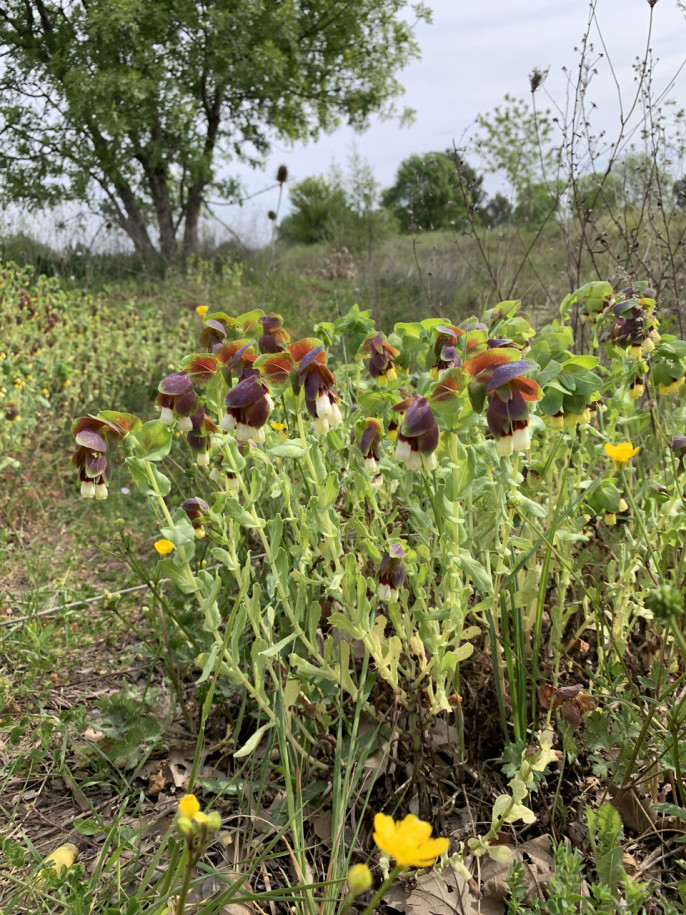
636, 812
447, 893
535, 855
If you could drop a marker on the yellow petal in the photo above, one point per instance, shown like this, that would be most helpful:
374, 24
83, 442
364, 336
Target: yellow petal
164, 546
189, 806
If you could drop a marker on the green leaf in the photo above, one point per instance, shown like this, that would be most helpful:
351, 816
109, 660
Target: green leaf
253, 741
474, 570
293, 448
87, 827
153, 440
139, 471
237, 513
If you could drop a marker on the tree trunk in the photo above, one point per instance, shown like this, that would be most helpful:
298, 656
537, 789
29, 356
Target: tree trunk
134, 226
192, 220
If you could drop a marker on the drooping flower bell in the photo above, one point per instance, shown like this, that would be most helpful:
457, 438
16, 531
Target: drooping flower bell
500, 374
218, 475
197, 510
368, 435
445, 349
391, 573
679, 447
199, 436
320, 398
274, 338
418, 437
92, 435
381, 355
635, 326
248, 406
237, 358
177, 397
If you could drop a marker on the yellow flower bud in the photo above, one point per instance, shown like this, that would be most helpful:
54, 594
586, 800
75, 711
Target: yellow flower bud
359, 879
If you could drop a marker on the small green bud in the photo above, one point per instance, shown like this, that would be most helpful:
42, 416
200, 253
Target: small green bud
185, 826
665, 602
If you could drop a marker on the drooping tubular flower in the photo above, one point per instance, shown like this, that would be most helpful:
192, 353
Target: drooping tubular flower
199, 436
368, 435
92, 435
381, 355
445, 348
248, 406
391, 572
497, 373
237, 359
418, 437
197, 510
320, 398
635, 326
177, 397
274, 338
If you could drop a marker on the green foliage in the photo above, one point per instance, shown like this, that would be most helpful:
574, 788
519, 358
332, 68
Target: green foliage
320, 209
130, 727
515, 142
145, 100
606, 833
433, 191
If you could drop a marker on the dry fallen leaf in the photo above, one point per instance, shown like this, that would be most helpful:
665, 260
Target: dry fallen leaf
535, 855
447, 893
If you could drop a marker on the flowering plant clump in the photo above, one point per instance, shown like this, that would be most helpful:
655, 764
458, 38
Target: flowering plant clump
408, 841
319, 574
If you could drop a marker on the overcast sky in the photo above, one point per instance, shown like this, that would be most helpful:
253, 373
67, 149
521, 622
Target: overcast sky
473, 53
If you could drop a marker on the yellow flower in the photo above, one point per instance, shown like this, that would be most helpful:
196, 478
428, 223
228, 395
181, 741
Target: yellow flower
189, 805
408, 841
278, 427
359, 879
621, 453
163, 547
202, 310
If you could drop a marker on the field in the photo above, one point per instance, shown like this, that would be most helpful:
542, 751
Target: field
317, 538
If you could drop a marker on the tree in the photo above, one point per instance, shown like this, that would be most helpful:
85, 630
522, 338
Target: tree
132, 106
433, 191
318, 207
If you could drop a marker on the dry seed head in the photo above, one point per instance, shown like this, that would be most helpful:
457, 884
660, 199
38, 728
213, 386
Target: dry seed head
282, 174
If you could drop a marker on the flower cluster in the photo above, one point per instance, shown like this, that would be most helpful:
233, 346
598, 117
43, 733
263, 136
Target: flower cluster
274, 338
177, 398
248, 406
318, 382
193, 824
381, 355
498, 375
197, 510
418, 436
635, 327
90, 459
